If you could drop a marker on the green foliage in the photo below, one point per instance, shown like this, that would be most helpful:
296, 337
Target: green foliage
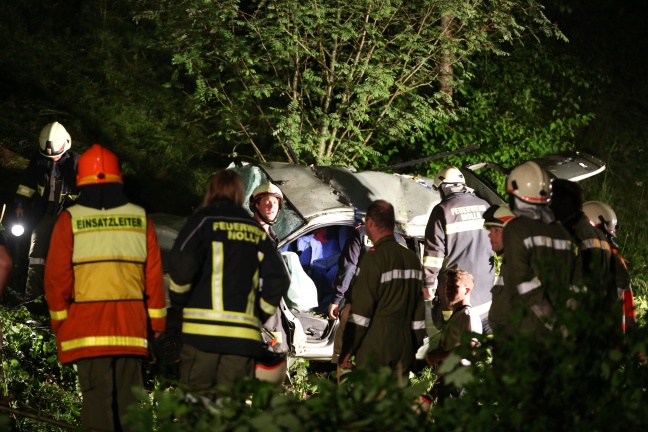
593, 379
341, 81
34, 380
511, 116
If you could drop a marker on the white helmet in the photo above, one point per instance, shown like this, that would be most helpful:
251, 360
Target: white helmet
530, 183
449, 175
600, 213
497, 215
54, 140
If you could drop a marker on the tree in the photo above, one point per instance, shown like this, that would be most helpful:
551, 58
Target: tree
340, 81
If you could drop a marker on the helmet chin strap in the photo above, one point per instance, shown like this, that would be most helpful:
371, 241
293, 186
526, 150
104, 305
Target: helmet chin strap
256, 211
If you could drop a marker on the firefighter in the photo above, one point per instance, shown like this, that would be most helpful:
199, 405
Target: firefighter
266, 202
495, 219
47, 186
538, 268
595, 251
386, 323
603, 217
454, 238
104, 289
219, 261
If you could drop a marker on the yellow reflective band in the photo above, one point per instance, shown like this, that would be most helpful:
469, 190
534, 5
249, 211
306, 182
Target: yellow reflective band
267, 307
180, 289
25, 191
228, 316
58, 315
446, 315
463, 226
434, 262
94, 341
157, 313
222, 331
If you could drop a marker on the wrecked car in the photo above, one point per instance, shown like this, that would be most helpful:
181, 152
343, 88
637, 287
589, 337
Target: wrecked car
325, 201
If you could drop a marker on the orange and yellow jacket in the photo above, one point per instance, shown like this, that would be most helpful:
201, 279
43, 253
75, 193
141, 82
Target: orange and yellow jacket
103, 282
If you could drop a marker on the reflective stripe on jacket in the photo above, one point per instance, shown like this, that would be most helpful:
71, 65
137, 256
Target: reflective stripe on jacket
227, 277
103, 282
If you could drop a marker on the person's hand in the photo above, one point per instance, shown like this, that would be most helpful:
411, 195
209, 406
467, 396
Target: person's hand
334, 311
20, 211
428, 292
344, 363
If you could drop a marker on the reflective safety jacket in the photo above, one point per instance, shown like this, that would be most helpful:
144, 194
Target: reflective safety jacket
387, 318
455, 238
539, 270
103, 282
34, 185
227, 278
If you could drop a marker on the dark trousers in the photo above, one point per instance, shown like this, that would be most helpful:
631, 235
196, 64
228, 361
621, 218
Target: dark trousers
107, 389
201, 370
40, 242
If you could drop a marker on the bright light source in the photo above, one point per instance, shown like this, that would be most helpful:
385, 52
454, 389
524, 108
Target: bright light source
17, 230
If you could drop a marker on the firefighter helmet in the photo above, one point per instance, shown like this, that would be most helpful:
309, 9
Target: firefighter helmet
497, 215
529, 183
449, 175
98, 165
259, 192
600, 213
54, 140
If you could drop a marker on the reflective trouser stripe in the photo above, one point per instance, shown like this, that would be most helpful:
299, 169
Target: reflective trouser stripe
36, 261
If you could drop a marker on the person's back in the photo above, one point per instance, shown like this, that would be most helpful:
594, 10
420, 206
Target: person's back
454, 238
539, 265
395, 303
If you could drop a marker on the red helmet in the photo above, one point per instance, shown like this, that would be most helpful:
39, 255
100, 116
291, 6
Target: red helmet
98, 165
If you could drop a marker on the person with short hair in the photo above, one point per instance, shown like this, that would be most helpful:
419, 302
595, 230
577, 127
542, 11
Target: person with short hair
458, 284
386, 324
227, 278
495, 220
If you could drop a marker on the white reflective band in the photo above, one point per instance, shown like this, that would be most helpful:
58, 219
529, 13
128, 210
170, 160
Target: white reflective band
401, 274
544, 241
418, 325
499, 280
180, 289
359, 320
529, 286
463, 226
434, 262
36, 261
481, 309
